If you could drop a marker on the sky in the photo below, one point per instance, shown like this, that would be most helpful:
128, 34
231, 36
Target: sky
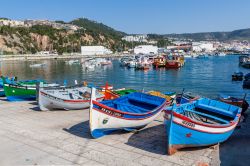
139, 16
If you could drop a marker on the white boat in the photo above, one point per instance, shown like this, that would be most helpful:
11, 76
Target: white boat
103, 61
221, 54
37, 65
131, 63
72, 62
130, 112
187, 56
67, 98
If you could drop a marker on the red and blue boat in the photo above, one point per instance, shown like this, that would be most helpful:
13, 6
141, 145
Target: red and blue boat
203, 122
129, 112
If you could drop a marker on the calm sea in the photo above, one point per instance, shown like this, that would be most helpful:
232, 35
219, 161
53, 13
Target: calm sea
207, 77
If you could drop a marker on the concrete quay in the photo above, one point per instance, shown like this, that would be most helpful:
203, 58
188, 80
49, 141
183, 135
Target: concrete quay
32, 137
44, 57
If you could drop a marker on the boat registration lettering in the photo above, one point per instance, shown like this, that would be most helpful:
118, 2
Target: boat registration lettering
189, 124
112, 112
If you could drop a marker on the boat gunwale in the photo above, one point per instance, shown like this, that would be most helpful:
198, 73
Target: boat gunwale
66, 100
128, 113
178, 115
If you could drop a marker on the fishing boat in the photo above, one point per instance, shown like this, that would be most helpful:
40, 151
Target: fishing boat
130, 112
73, 62
175, 61
124, 91
37, 65
22, 90
106, 62
237, 76
67, 98
244, 61
142, 63
186, 97
170, 94
201, 123
124, 61
159, 61
15, 92
240, 102
159, 94
131, 63
113, 94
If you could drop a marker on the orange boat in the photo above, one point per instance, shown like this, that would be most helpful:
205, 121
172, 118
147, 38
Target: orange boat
159, 62
175, 62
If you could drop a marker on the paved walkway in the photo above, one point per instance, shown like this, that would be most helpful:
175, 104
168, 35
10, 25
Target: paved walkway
32, 137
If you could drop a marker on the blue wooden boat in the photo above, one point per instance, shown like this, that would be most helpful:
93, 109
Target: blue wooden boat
129, 112
200, 123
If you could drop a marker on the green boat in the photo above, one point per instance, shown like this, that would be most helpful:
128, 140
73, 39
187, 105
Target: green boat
19, 93
30, 82
123, 92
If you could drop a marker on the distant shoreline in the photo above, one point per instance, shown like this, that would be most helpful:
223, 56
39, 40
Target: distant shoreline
45, 57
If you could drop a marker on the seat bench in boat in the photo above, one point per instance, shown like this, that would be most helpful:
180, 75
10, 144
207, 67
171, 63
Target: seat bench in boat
218, 107
208, 116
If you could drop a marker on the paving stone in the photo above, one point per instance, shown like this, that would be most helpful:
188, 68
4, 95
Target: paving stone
120, 153
108, 159
146, 160
63, 138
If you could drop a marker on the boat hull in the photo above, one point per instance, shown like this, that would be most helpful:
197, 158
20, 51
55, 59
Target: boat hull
49, 102
173, 64
183, 133
19, 93
2, 94
104, 121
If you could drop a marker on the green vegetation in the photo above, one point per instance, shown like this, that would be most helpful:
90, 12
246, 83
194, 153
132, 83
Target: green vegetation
43, 37
161, 40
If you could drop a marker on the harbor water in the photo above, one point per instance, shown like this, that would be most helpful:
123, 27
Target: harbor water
207, 77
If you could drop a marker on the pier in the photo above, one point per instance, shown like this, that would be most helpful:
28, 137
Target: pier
32, 137
46, 57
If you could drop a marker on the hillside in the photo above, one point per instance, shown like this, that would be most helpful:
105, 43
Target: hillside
43, 37
243, 34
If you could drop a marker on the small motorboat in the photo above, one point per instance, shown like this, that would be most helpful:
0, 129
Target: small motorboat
203, 122
73, 62
67, 98
237, 76
240, 102
246, 82
129, 112
244, 61
38, 65
132, 63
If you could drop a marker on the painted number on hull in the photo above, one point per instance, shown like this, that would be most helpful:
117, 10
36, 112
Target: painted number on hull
111, 112
188, 124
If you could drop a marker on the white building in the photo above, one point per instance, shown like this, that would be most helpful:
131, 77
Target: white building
95, 50
200, 46
135, 38
11, 23
146, 49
